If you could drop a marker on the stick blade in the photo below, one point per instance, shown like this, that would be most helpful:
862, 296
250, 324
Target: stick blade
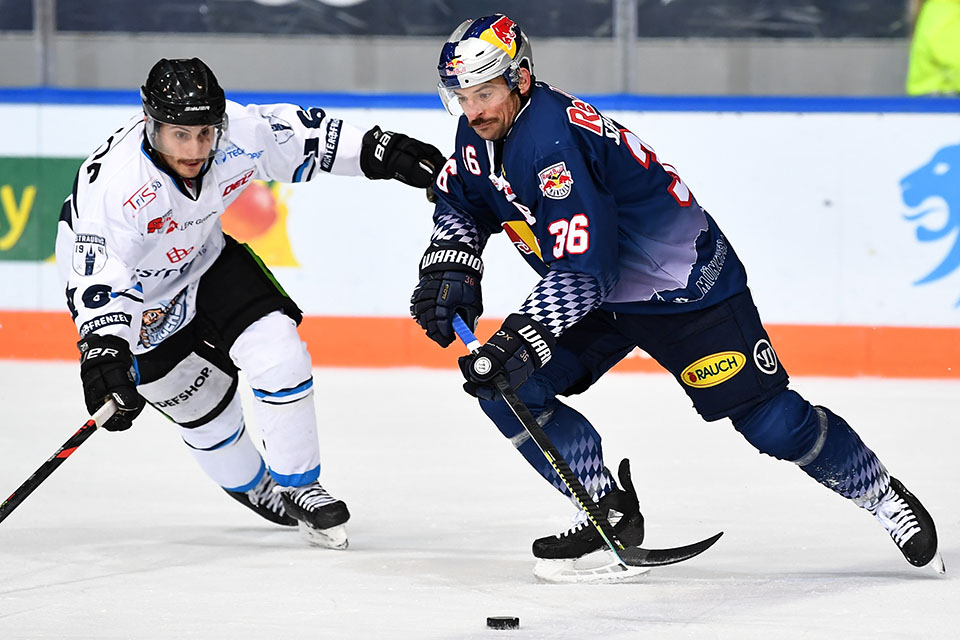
640, 557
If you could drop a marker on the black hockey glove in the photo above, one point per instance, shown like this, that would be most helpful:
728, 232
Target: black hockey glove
107, 371
520, 347
449, 283
385, 155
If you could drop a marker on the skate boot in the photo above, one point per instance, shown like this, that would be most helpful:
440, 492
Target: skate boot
909, 524
264, 501
320, 516
580, 554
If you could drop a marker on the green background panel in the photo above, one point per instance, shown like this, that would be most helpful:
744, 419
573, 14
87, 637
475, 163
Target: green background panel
51, 179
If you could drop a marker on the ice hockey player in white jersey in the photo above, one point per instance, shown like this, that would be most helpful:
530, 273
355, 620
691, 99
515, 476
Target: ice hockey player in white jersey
169, 308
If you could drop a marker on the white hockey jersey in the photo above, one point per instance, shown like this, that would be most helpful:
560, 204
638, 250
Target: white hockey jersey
132, 242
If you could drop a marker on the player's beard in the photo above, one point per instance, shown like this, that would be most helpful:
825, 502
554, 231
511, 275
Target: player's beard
184, 170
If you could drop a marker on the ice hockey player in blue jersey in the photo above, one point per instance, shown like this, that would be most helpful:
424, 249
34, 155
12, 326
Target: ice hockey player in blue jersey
169, 308
627, 258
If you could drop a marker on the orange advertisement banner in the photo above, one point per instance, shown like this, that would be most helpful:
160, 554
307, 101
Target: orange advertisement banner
842, 351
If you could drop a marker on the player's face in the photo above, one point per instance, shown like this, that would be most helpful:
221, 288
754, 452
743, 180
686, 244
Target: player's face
185, 148
490, 108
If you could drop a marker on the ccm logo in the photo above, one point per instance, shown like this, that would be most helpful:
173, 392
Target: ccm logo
236, 182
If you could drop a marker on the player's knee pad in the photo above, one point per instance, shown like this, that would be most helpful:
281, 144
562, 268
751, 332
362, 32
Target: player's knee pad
274, 359
193, 392
219, 432
536, 394
224, 450
785, 426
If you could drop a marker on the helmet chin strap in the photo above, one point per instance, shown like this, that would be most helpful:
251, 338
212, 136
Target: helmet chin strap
524, 99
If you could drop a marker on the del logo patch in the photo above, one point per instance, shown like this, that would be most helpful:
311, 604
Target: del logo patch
555, 181
89, 254
236, 182
714, 369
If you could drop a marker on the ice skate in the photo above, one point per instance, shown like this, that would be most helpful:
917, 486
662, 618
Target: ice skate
264, 501
581, 555
321, 517
909, 525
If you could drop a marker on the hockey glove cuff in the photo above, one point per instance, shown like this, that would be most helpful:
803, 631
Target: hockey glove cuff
520, 347
108, 371
449, 283
385, 155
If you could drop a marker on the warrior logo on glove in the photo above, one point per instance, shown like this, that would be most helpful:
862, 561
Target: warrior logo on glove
450, 275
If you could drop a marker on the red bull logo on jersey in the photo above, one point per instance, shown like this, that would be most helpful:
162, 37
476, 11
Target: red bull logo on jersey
713, 369
555, 181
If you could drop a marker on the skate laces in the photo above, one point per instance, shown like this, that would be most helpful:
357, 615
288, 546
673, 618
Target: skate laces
265, 495
897, 517
581, 521
308, 497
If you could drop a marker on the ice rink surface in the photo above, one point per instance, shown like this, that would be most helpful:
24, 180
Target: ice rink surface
128, 539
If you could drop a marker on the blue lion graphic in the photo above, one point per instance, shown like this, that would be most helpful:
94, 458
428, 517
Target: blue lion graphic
939, 178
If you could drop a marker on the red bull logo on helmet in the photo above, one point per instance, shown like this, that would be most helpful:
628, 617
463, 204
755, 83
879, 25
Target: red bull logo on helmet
555, 181
502, 34
455, 67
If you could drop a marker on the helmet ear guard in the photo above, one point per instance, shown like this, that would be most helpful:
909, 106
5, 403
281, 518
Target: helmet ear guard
481, 50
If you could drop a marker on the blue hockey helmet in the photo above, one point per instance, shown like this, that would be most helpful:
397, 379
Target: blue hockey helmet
480, 50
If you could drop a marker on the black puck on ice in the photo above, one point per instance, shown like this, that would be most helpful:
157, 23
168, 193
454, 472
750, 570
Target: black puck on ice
503, 622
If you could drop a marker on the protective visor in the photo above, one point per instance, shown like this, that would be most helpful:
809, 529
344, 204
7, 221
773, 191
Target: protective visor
487, 95
186, 140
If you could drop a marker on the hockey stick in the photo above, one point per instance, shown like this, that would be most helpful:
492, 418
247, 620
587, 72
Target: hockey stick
627, 556
102, 415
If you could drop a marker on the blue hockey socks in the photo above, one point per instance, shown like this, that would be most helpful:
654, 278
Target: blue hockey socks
571, 433
819, 442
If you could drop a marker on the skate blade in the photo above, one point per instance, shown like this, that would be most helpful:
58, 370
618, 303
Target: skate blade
937, 564
596, 567
332, 538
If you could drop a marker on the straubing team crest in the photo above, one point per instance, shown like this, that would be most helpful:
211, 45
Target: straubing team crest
555, 181
89, 254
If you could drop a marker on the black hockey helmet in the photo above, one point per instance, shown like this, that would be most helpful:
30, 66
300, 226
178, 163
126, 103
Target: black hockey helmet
183, 91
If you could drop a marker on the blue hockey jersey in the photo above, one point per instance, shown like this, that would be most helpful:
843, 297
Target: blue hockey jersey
577, 192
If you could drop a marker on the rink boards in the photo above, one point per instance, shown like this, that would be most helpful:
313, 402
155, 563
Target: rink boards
845, 213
